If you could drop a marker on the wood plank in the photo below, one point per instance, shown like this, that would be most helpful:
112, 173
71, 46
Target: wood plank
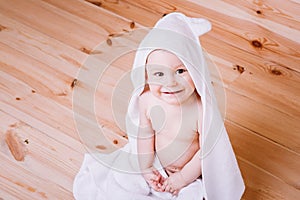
39, 125
58, 116
45, 81
280, 11
263, 80
223, 70
41, 79
267, 24
39, 46
61, 91
255, 43
283, 129
265, 154
43, 152
69, 29
67, 60
106, 20
263, 185
45, 171
130, 11
275, 87
17, 94
21, 183
20, 95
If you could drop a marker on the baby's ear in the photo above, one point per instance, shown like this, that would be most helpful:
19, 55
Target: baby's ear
199, 26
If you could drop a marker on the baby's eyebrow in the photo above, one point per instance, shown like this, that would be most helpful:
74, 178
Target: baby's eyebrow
180, 65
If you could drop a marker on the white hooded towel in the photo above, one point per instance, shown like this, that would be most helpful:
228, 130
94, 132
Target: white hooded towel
120, 177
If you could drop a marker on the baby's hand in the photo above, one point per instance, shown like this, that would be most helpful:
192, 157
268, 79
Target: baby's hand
174, 183
154, 179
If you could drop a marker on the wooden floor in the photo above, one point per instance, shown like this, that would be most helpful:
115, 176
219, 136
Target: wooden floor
43, 43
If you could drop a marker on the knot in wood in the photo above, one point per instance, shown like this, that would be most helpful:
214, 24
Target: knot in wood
101, 147
257, 44
97, 3
239, 68
85, 50
109, 42
74, 83
132, 25
2, 28
276, 72
115, 141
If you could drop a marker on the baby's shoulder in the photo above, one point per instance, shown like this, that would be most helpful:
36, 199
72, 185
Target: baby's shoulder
145, 103
145, 99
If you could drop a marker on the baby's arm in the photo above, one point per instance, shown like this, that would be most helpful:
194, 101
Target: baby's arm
145, 137
192, 170
189, 173
146, 148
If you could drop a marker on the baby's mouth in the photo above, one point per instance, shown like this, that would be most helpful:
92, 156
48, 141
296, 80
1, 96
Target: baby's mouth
172, 92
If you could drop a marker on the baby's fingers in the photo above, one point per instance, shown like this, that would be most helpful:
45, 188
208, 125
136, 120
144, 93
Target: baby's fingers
175, 192
157, 186
153, 177
153, 184
164, 185
160, 178
156, 172
168, 188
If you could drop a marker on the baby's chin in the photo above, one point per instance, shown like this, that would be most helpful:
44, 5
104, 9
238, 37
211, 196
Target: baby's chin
173, 99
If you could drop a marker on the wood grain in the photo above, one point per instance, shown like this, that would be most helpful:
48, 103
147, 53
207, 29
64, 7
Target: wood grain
15, 145
254, 47
44, 165
263, 185
274, 158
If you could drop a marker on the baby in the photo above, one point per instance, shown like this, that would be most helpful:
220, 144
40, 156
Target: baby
170, 124
166, 119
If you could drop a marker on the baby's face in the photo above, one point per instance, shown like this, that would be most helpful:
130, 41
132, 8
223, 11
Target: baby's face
168, 78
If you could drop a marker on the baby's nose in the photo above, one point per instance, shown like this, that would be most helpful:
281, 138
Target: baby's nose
171, 81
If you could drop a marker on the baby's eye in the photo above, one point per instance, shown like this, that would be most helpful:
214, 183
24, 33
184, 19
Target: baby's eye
158, 74
180, 71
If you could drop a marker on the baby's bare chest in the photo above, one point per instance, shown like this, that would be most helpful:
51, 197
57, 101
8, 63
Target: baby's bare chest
180, 123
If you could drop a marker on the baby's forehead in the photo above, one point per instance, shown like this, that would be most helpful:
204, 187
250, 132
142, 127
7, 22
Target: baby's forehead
159, 59
164, 67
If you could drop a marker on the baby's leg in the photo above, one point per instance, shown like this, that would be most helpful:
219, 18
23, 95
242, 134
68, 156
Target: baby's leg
193, 191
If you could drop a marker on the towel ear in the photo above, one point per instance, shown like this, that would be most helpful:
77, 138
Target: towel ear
173, 21
199, 26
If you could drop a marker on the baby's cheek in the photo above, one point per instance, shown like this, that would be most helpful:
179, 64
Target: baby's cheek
154, 88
